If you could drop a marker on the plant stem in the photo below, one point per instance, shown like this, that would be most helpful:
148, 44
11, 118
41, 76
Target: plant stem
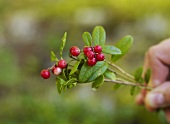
129, 83
121, 70
121, 75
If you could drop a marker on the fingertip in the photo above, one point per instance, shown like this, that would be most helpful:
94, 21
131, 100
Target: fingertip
154, 101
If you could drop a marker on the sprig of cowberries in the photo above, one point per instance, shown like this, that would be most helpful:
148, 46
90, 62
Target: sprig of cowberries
89, 65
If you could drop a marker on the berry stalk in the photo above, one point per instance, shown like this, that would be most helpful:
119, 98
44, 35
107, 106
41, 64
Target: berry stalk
143, 86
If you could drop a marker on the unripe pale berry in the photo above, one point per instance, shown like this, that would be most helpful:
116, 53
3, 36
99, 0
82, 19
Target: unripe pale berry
87, 49
45, 74
97, 49
91, 62
57, 70
100, 57
90, 54
62, 64
75, 51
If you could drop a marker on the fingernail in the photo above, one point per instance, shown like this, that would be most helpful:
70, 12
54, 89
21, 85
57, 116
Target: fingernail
155, 100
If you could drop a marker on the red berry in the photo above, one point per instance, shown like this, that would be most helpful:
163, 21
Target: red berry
75, 51
91, 62
100, 57
97, 49
56, 70
87, 49
90, 54
45, 74
62, 64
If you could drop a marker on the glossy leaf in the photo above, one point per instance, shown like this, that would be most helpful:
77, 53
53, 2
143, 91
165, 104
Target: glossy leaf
116, 86
60, 84
111, 50
70, 81
98, 82
138, 75
87, 38
63, 44
53, 57
63, 74
88, 73
110, 75
147, 76
69, 86
124, 45
132, 90
74, 69
99, 36
81, 56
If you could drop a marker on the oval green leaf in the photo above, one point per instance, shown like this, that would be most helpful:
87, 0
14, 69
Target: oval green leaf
111, 50
74, 69
117, 86
53, 57
147, 75
99, 36
110, 75
81, 56
60, 84
63, 44
138, 75
124, 45
88, 73
98, 82
87, 38
132, 90
70, 81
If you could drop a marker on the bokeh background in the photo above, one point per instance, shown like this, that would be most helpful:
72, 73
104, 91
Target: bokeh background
30, 29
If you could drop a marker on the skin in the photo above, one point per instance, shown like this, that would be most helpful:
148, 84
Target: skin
157, 58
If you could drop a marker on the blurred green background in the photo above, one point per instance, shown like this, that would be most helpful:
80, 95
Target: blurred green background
30, 29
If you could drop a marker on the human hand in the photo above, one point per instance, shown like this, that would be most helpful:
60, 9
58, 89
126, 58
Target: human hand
158, 60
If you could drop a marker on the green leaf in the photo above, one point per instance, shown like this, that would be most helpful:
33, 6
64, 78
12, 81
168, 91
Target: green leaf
59, 87
111, 50
74, 69
87, 38
70, 81
138, 75
124, 45
60, 84
98, 82
147, 75
88, 73
63, 75
63, 44
132, 90
116, 86
81, 56
110, 75
53, 57
69, 86
99, 36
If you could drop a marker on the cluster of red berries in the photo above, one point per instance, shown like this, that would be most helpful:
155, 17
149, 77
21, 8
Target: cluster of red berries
93, 54
56, 69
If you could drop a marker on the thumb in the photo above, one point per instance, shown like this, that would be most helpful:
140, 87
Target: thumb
159, 97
